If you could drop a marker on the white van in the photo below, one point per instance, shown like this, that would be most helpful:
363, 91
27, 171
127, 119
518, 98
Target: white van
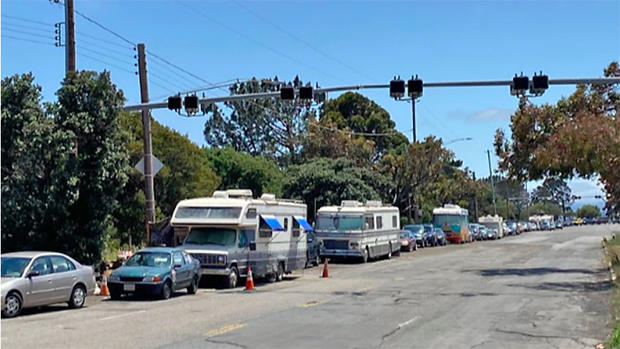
493, 222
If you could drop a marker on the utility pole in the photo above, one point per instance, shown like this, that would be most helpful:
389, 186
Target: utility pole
413, 118
148, 146
475, 198
492, 184
69, 37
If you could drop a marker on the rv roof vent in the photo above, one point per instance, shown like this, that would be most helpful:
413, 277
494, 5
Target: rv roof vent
239, 193
451, 206
220, 194
350, 203
268, 197
373, 203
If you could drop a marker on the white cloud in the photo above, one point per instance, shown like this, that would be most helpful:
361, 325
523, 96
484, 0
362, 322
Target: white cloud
494, 114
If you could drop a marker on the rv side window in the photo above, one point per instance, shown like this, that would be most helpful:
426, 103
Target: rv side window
265, 233
379, 222
370, 223
285, 224
251, 214
394, 221
296, 229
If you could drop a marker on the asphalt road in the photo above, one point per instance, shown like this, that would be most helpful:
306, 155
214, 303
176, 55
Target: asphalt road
537, 290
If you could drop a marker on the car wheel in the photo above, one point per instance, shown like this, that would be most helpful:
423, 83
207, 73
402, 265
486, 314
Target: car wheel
12, 305
317, 259
280, 272
410, 248
233, 278
78, 297
415, 246
193, 287
166, 290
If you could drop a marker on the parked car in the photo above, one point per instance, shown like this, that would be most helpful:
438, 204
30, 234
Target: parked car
474, 231
407, 241
507, 229
32, 279
514, 227
523, 227
314, 249
429, 236
483, 232
156, 271
533, 226
491, 234
440, 236
418, 232
546, 225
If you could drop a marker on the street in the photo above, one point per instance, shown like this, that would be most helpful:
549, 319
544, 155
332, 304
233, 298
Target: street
538, 290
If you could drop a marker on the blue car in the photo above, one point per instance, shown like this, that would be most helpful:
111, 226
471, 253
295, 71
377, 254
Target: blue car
156, 271
429, 236
418, 232
440, 236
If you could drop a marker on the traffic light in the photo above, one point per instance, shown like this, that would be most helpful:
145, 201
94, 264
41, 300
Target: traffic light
415, 87
397, 88
191, 104
287, 93
540, 83
306, 93
520, 84
174, 103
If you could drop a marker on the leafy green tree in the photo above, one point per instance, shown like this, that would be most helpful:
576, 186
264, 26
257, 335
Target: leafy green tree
588, 211
243, 171
542, 208
555, 190
329, 181
325, 139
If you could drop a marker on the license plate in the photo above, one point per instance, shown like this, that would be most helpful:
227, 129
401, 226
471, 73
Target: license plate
129, 287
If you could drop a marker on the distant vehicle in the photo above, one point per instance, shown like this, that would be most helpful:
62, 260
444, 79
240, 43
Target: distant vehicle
232, 230
579, 221
430, 240
418, 232
474, 231
156, 271
491, 233
483, 232
453, 220
32, 279
360, 230
407, 241
493, 222
532, 226
313, 252
440, 236
546, 225
541, 219
523, 227
507, 229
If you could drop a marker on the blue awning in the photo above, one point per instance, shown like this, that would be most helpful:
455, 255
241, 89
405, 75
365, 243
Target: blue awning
304, 223
272, 222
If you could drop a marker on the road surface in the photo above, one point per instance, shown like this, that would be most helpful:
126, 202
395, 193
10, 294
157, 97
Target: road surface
537, 290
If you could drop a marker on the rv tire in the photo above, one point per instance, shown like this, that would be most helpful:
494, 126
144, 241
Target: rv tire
232, 279
365, 255
280, 272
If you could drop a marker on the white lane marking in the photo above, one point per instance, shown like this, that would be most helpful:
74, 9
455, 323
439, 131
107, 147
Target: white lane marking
408, 322
122, 315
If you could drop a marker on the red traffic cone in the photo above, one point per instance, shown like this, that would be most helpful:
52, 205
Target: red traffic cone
249, 281
104, 286
325, 271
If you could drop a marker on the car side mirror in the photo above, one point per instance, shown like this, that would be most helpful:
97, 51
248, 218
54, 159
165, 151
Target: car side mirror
33, 273
253, 246
177, 265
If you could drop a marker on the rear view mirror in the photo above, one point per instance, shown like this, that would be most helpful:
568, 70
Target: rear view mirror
252, 246
33, 273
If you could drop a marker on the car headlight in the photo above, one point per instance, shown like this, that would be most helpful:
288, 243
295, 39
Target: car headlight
221, 259
114, 277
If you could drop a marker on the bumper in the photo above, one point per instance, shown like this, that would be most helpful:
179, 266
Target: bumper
214, 271
341, 253
141, 287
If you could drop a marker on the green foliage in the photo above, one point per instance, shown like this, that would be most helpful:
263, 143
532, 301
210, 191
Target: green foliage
542, 208
61, 175
555, 190
588, 211
244, 171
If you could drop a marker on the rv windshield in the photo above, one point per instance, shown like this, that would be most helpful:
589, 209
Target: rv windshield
211, 236
208, 213
452, 221
339, 222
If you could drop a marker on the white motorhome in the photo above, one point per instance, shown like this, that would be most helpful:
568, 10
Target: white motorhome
231, 230
361, 230
493, 222
544, 222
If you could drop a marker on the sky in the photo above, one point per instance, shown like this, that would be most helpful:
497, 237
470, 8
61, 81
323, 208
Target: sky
332, 43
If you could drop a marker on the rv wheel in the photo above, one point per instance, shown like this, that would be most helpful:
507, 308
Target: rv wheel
232, 278
280, 272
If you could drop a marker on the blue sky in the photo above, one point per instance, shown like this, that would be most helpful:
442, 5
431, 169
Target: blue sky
438, 40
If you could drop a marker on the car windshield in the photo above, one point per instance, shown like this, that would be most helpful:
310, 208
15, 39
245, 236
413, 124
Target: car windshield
414, 228
13, 267
339, 222
211, 236
404, 234
149, 259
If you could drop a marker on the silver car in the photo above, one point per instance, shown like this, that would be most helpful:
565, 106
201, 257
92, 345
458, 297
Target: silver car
31, 279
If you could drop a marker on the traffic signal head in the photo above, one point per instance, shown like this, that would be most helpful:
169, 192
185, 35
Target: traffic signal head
414, 87
540, 83
191, 104
287, 93
520, 84
174, 103
306, 93
397, 88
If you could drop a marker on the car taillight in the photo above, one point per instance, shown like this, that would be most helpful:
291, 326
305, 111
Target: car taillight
156, 278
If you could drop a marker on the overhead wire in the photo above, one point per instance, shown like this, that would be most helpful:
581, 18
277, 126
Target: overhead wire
28, 33
27, 20
28, 40
104, 55
132, 48
29, 27
105, 62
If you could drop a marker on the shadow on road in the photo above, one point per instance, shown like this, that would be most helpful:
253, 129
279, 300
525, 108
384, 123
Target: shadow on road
595, 286
531, 271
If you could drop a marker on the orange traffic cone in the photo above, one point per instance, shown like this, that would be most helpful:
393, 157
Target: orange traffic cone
104, 286
325, 271
249, 281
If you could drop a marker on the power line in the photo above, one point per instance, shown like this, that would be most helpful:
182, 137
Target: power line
278, 52
28, 33
177, 67
106, 41
107, 49
27, 20
105, 62
104, 55
27, 40
110, 31
22, 26
290, 34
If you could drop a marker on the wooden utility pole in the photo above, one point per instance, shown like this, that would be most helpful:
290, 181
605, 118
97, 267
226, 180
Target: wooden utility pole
69, 37
148, 146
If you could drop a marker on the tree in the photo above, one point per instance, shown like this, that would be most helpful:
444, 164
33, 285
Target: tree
580, 135
588, 211
243, 171
185, 175
329, 181
325, 139
542, 208
268, 127
555, 190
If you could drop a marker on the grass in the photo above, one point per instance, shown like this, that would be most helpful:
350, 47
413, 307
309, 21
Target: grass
613, 256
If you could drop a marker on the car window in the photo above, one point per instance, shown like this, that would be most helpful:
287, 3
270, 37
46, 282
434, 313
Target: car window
61, 264
42, 265
178, 258
187, 257
243, 239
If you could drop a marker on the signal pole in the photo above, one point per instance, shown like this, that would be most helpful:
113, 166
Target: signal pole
148, 146
69, 37
492, 184
475, 197
413, 118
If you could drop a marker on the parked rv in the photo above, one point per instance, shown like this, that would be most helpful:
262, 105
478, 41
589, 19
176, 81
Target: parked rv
453, 220
359, 230
493, 222
232, 230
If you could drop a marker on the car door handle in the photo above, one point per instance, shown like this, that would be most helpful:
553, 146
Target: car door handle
49, 281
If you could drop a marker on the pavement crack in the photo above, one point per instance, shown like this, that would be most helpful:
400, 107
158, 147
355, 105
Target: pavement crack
233, 344
533, 335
